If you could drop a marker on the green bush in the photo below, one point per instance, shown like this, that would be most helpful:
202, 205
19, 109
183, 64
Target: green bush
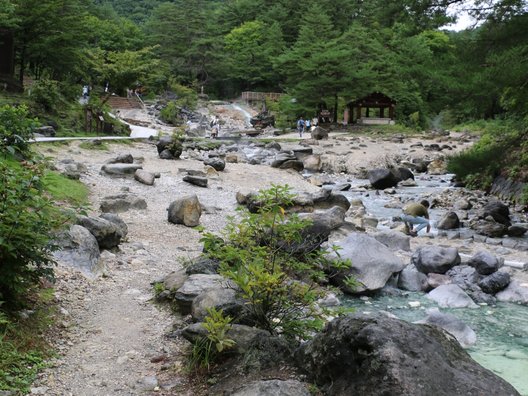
187, 96
171, 114
501, 150
280, 286
16, 128
26, 224
46, 95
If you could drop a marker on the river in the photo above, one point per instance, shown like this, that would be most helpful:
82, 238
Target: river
502, 330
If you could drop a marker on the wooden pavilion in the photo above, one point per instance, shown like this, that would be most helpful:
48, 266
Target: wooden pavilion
373, 109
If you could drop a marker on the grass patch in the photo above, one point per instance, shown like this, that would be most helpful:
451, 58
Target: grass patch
94, 145
65, 190
23, 350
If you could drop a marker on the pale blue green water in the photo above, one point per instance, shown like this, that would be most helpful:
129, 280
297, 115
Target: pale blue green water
502, 331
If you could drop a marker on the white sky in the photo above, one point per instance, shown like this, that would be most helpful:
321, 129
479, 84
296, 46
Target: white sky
464, 21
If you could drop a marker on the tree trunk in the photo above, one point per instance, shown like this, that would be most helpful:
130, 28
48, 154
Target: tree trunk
335, 108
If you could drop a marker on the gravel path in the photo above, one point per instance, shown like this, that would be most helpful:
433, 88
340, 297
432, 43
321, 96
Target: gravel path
111, 331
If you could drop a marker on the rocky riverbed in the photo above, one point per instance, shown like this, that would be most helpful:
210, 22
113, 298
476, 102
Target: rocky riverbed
113, 337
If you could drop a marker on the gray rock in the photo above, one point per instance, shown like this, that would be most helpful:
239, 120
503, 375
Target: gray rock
451, 296
194, 286
281, 158
413, 280
293, 164
202, 265
120, 169
382, 178
107, 233
449, 221
495, 282
462, 204
273, 387
330, 219
216, 162
196, 180
173, 281
145, 177
516, 230
122, 203
186, 210
122, 159
402, 173
499, 211
79, 249
244, 336
515, 292
435, 280
485, 263
363, 355
373, 263
464, 276
219, 298
394, 240
489, 227
435, 259
319, 133
454, 326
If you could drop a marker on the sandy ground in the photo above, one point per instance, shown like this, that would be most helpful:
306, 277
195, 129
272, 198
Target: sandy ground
112, 337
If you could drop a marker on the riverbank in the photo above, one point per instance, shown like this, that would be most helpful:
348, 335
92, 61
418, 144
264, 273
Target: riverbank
113, 338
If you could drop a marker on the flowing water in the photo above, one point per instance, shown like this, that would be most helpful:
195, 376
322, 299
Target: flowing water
502, 331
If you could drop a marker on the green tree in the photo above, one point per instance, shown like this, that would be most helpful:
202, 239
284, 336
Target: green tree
251, 49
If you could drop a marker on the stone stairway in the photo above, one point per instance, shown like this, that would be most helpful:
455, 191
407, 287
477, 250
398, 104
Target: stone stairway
119, 102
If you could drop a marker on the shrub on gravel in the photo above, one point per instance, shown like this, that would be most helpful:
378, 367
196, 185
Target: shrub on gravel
280, 286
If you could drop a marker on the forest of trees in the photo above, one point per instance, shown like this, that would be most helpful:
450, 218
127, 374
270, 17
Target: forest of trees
324, 51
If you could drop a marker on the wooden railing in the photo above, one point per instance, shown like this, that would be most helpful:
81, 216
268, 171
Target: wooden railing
260, 96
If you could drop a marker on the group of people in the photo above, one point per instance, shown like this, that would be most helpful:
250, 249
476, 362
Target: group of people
305, 125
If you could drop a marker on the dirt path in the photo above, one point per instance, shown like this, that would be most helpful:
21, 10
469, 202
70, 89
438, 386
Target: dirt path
111, 329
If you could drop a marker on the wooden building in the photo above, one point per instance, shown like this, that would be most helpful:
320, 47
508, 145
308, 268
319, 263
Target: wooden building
373, 109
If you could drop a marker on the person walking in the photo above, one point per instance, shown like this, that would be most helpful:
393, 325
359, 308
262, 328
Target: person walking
300, 126
416, 214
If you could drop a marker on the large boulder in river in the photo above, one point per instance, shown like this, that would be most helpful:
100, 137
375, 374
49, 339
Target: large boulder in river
120, 169
495, 282
394, 240
451, 296
449, 221
435, 259
413, 280
373, 263
515, 292
185, 210
454, 326
382, 178
489, 227
485, 263
364, 355
499, 211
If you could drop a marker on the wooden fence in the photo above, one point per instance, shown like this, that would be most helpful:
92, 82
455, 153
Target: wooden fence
260, 96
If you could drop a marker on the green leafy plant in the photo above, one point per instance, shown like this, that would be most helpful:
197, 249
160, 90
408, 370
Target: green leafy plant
16, 128
27, 222
208, 348
278, 281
